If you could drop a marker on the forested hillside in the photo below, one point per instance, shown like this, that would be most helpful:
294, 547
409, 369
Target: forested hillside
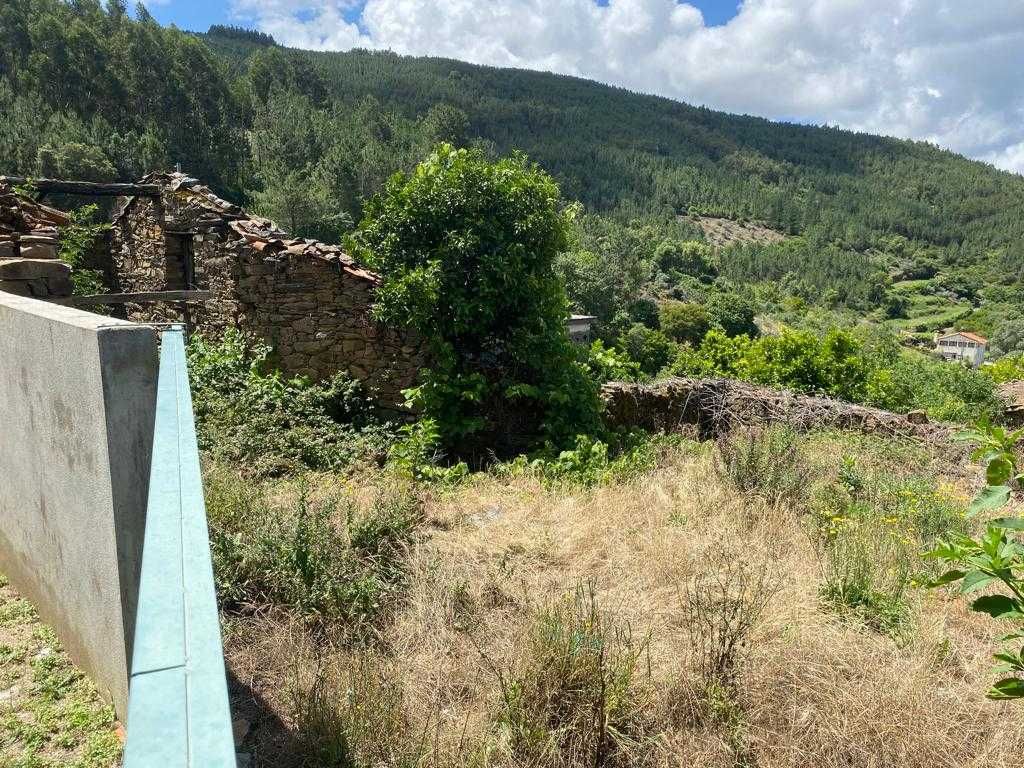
912, 235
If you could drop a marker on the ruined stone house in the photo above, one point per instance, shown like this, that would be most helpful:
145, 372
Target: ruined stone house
28, 247
308, 299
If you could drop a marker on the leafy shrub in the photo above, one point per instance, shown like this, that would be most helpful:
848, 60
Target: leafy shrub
324, 559
467, 250
683, 322
651, 349
593, 462
609, 364
77, 240
996, 558
690, 257
765, 462
576, 696
258, 419
838, 364
417, 455
1007, 368
946, 391
733, 314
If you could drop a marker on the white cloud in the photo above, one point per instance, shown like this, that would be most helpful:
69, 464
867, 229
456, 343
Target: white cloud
946, 71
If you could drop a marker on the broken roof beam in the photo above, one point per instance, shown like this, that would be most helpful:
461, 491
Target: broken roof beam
46, 186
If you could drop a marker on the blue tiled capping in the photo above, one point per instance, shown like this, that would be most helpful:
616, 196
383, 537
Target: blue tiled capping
178, 711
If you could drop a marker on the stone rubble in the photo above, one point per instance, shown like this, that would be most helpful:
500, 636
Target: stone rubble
29, 242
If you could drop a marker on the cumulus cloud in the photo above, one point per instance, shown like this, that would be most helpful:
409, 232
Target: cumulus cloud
945, 71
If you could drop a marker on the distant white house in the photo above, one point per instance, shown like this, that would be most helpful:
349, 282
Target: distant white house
962, 345
578, 327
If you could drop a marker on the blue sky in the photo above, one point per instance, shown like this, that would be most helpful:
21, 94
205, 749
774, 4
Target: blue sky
198, 15
943, 71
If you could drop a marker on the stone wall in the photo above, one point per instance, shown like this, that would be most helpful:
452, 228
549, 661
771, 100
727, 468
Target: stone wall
310, 304
29, 265
317, 317
714, 406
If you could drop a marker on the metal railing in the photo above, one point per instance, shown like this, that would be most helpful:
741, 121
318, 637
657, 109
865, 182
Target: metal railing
178, 712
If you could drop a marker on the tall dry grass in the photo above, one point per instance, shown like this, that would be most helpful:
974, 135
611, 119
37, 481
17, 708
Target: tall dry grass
811, 687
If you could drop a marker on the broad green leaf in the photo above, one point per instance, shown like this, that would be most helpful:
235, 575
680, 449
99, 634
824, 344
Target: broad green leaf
1007, 688
999, 471
975, 580
990, 497
947, 578
1011, 523
997, 606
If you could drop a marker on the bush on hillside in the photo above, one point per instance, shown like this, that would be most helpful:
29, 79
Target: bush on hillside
839, 365
684, 322
733, 314
467, 249
650, 349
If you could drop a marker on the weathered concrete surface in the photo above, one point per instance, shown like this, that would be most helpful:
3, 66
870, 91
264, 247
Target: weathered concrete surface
77, 396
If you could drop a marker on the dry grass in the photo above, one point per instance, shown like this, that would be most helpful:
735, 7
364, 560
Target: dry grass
494, 557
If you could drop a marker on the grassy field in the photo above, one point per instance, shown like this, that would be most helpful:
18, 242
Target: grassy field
746, 603
50, 715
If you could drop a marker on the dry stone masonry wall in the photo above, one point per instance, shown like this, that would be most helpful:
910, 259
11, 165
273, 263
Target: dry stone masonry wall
309, 300
29, 265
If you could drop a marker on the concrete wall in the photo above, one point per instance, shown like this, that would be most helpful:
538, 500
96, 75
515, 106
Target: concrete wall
77, 398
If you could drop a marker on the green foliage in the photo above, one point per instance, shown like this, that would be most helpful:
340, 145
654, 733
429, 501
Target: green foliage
684, 323
254, 417
78, 240
691, 257
592, 462
652, 350
870, 520
1008, 337
95, 94
418, 455
325, 559
467, 249
1007, 368
996, 558
733, 314
605, 364
577, 696
946, 391
867, 577
838, 364
811, 268
833, 364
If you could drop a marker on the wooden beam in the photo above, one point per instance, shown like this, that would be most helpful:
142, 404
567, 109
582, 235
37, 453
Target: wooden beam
150, 297
46, 186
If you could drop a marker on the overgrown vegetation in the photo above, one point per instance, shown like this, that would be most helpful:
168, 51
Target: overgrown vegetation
840, 364
466, 248
78, 239
328, 559
577, 695
996, 558
249, 414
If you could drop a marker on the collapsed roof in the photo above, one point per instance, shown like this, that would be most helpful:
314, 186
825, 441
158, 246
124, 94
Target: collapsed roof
261, 234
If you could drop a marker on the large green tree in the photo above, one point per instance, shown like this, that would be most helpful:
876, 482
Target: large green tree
467, 250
